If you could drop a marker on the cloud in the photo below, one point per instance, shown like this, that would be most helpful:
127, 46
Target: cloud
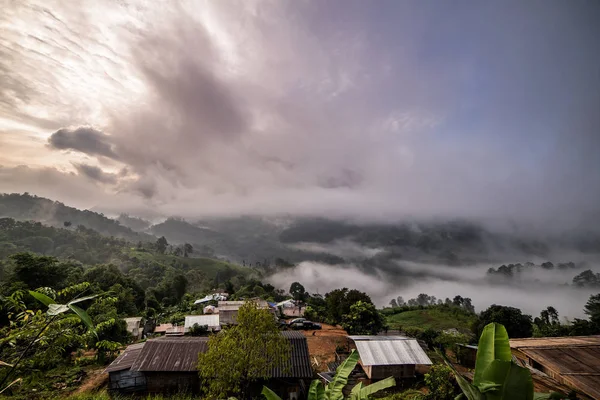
83, 139
95, 173
339, 110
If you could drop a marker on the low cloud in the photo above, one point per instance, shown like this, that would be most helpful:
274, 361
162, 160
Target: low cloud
95, 173
83, 139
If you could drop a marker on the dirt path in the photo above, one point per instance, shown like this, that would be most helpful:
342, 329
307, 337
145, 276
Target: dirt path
322, 344
94, 380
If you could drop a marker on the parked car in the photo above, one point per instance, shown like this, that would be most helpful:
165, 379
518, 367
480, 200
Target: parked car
297, 320
305, 325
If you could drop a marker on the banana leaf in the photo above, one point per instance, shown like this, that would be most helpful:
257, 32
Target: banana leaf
383, 384
468, 391
333, 391
355, 393
56, 309
269, 394
316, 391
493, 345
515, 381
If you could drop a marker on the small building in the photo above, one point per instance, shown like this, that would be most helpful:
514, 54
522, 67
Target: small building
228, 310
134, 327
169, 364
120, 377
571, 361
161, 329
383, 356
210, 320
466, 355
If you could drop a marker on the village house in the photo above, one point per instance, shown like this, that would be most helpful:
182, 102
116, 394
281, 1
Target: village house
572, 362
383, 356
228, 310
169, 364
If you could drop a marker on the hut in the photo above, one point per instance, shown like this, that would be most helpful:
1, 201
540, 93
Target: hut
169, 364
466, 355
383, 356
120, 377
572, 361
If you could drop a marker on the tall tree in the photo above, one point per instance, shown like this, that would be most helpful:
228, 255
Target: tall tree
161, 245
297, 291
362, 319
187, 249
517, 324
592, 308
243, 354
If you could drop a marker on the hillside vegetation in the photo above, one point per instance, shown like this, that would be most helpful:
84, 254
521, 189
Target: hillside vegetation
437, 318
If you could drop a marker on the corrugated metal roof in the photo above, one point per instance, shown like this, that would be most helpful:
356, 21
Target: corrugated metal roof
298, 365
391, 352
126, 358
174, 354
373, 337
181, 354
574, 360
235, 305
212, 320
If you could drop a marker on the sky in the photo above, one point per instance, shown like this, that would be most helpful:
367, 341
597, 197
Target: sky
378, 110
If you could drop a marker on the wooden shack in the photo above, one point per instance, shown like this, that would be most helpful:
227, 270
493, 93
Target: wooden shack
571, 361
169, 365
120, 377
383, 356
466, 355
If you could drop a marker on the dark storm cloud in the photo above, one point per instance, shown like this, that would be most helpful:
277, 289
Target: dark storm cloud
83, 139
95, 173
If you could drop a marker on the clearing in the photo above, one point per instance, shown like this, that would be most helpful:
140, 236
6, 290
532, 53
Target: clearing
433, 318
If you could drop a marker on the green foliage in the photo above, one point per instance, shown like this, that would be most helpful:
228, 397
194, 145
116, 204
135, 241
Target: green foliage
339, 301
333, 390
496, 376
592, 308
198, 330
297, 291
362, 319
439, 380
243, 353
518, 325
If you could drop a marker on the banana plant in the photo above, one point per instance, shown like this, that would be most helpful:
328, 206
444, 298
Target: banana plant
333, 390
497, 376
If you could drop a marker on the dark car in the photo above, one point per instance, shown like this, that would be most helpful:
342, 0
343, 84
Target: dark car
305, 325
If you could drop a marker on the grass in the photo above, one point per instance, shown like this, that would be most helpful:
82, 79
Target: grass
434, 318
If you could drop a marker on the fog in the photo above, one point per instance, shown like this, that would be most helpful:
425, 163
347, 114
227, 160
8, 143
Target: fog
443, 281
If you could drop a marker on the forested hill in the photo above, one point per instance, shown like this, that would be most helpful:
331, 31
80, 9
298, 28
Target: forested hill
27, 207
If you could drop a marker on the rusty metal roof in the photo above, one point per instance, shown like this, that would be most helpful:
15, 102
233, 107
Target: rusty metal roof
180, 354
574, 360
174, 354
126, 358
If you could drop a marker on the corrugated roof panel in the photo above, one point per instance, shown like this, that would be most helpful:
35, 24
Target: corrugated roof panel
212, 320
126, 358
299, 363
374, 337
391, 352
170, 354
